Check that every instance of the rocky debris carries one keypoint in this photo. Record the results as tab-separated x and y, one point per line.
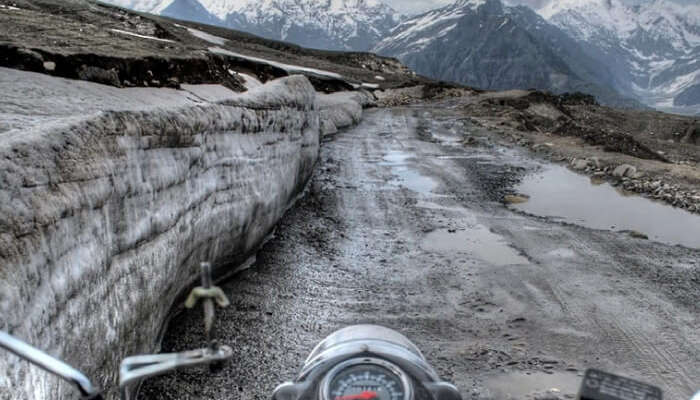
544	122
611	140
415	93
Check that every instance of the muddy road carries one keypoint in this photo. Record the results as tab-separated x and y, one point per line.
403	226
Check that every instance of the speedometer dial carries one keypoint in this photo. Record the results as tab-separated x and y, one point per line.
367	379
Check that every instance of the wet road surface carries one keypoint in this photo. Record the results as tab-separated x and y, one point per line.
402	226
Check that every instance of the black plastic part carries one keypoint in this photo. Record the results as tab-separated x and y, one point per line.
600	385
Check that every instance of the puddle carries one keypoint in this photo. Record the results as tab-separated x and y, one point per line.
518	385
560	193
477	240
414	181
395	158
405	176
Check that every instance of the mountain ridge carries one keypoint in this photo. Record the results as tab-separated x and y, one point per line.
323	24
487	44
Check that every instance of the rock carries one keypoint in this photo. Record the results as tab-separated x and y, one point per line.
30	59
99	75
579	164
542	147
516	198
636	235
624	170
50	66
173	83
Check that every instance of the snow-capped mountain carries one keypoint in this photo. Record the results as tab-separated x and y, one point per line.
652	49
486	44
325	24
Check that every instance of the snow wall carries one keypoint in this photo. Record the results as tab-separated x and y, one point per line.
110	198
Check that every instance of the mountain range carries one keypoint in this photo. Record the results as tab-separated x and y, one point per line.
624	55
323	24
652	50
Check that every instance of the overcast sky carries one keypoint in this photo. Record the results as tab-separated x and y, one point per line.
414	6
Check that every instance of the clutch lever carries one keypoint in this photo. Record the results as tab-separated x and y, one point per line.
50	364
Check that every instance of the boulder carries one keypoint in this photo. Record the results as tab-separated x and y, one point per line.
624	170
579	164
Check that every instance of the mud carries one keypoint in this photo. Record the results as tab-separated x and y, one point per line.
360	248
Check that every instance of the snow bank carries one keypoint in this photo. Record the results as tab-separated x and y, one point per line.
341	109
111	197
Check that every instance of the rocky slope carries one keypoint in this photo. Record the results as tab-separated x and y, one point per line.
651	49
327	24
485	44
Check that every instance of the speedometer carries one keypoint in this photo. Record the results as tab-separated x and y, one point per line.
366	379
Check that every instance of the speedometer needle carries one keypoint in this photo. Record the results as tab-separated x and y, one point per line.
367	395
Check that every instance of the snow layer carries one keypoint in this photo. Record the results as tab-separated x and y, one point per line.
207	37
111	197
292	69
141	36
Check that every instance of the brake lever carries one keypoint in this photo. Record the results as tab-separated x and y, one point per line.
50	364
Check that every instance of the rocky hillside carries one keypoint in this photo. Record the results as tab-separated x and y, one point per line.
327	24
485	44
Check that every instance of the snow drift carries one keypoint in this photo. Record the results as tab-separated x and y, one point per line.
110	198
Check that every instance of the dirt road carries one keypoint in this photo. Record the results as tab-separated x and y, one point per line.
402	226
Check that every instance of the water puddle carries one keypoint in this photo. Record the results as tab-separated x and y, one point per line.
560	193
477	240
519	385
405	176
395	158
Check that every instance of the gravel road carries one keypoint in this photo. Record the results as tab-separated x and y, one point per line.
402	225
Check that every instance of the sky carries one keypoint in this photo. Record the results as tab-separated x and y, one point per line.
415	6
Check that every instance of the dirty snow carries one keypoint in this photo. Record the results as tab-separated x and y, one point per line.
207	37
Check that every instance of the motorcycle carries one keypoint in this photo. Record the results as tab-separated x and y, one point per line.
361	362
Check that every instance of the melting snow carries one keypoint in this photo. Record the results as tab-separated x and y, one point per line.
141	36
208	37
287	67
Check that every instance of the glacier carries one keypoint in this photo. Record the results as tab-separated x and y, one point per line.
111	197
